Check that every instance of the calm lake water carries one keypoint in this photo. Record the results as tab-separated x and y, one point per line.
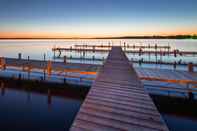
29	111
37	48
22	110
180	123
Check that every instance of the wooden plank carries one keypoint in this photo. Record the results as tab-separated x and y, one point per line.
117	100
166	74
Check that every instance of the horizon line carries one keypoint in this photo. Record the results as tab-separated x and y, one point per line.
108	37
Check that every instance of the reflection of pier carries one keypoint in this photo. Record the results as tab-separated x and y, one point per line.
49	90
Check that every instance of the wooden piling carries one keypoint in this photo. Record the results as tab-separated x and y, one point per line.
190	67
49	67
2	63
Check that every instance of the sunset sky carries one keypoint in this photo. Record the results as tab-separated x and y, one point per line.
96	18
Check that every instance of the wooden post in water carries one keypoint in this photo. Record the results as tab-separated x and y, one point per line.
59	53
29	70
19	56
64	59
28	67
2	88
93	57
168	49
44	56
44	74
49	67
191	96
2	63
124	46
190	67
93	49
54	54
174	65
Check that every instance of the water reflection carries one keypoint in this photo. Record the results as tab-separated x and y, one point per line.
2	88
180	123
49	99
25	108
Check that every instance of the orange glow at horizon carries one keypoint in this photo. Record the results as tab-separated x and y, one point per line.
88	35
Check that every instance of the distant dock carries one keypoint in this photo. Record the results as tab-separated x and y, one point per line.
63	71
130	49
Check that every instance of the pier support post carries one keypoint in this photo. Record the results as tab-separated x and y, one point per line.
93	57
2	88
64	80
29	70
124	46
65	59
19	56
174	65
93	48
59	53
190	67
54	54
49	67
191	96
44	75
2	63
45	57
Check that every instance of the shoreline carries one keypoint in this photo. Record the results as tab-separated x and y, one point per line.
174	37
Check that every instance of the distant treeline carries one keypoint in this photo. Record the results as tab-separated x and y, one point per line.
154	37
126	37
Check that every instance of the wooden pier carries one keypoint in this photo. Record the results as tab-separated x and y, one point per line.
124	45
140	52
118	101
47	66
140	61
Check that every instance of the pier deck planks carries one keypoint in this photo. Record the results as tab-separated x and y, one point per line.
117	100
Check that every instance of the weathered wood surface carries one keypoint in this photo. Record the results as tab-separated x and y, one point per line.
166	74
41	64
118	101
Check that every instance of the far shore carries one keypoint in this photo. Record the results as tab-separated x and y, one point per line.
193	37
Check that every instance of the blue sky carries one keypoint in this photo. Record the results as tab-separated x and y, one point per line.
97	17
